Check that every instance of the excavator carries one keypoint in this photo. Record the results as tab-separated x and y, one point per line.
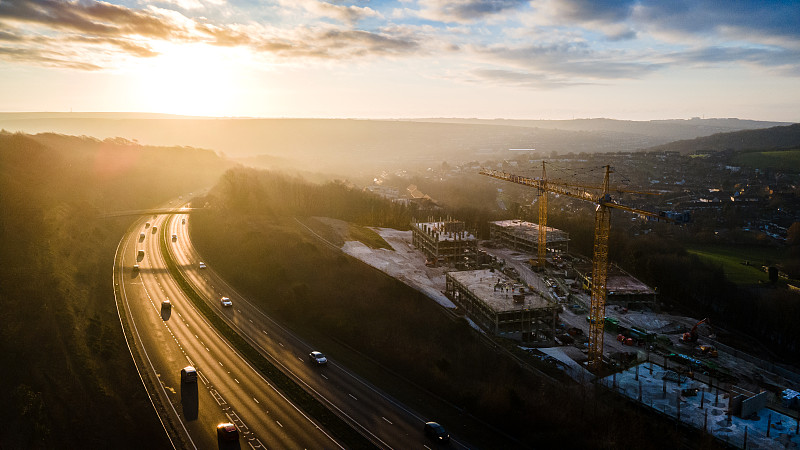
690	336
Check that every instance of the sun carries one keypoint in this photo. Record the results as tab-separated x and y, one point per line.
190	79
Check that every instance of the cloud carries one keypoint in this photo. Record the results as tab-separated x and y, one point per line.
570	59
763	21
505	77
346	14
184	4
50	59
466	11
97	18
783	61
48	24
333	43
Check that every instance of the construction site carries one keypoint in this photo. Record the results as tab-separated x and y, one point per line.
596	323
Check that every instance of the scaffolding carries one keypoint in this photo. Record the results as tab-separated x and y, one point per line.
446	243
524	236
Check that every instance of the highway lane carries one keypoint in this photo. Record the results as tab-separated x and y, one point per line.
385	421
228	389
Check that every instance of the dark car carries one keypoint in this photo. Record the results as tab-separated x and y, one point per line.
436	432
227	431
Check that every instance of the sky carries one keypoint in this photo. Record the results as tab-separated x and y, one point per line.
539	59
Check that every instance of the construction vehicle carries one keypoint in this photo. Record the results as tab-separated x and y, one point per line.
706	350
625	340
690	336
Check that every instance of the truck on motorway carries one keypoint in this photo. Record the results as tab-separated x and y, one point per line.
188	375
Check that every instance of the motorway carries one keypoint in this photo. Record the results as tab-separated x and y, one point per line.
230	390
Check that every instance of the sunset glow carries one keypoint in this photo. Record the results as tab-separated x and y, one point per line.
457	58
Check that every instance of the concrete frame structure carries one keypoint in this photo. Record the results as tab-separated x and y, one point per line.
524	236
503	306
446	243
623	288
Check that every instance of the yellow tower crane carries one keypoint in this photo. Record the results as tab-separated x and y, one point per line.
602	228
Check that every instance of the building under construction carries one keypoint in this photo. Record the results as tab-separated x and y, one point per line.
503	306
524	236
446	243
623	288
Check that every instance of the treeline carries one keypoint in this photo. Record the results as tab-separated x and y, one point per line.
69	381
251	191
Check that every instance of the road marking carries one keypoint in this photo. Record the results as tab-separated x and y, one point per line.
251	320
323	376
254	399
280	343
354	398
237	381
220	364
301	359
265	332
387	420
279	423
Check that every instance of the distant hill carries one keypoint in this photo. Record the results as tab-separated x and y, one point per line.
349	146
671	130
775	138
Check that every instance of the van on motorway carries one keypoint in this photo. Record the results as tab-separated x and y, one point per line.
188	375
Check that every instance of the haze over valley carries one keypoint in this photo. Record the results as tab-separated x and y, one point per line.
399	224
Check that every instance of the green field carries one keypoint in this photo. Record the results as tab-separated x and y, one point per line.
732	258
783	160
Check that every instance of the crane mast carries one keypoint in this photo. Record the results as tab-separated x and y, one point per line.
602	229
542	247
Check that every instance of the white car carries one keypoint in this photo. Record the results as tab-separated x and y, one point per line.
225	301
202	265
317	358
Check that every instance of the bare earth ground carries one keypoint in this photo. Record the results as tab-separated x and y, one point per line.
403	263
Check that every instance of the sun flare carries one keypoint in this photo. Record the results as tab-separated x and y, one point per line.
191	79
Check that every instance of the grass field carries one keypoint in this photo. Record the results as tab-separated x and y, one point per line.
732	259
785	160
